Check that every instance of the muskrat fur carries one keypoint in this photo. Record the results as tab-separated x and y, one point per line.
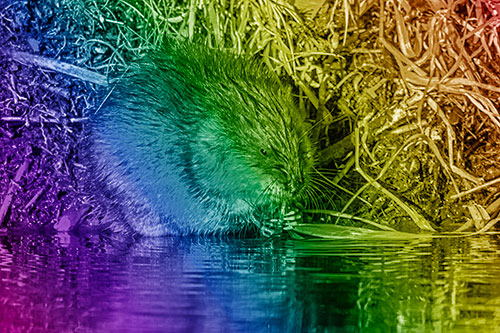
195	140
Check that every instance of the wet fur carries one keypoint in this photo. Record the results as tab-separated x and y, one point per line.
196	140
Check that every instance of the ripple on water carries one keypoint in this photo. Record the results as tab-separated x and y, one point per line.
55	283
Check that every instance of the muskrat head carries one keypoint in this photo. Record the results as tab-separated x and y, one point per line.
255	151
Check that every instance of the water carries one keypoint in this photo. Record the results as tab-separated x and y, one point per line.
61	283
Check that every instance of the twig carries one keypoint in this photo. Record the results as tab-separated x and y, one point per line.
16	119
8	198
35	198
59	66
477	188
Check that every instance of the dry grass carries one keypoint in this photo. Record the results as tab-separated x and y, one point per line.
413	85
403	95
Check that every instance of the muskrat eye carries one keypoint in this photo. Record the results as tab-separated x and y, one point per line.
263	152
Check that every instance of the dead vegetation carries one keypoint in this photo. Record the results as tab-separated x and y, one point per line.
403	95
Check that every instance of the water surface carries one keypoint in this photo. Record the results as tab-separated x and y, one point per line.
62	283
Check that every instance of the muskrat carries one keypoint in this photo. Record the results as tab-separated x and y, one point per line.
195	140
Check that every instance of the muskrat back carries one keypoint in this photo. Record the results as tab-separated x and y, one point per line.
198	140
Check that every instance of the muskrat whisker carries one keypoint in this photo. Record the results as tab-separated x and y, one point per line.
331	183
317	188
319	182
330	194
315	182
312	198
317	203
330	202
320	185
318	200
262	196
325	177
303	196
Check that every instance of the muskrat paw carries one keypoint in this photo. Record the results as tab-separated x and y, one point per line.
291	219
271	228
275	226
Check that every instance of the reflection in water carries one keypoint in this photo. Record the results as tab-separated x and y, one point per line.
55	283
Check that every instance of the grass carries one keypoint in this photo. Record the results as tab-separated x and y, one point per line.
403	96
